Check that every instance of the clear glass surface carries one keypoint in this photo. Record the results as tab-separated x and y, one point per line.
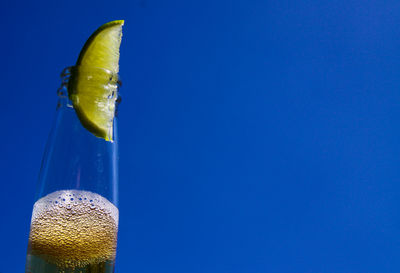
75	216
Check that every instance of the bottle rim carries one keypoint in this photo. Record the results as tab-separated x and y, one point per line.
69	70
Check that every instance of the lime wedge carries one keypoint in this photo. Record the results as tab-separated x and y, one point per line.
93	84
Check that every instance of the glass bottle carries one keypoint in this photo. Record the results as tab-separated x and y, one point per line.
75	216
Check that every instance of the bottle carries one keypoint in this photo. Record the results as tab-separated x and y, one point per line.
75	216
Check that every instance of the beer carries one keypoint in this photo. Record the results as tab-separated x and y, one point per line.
72	231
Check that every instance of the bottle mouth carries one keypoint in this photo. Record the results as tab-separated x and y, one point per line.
89	71
100	78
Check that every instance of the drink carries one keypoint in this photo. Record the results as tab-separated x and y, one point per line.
72	231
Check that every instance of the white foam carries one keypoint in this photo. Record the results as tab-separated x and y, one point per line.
70	198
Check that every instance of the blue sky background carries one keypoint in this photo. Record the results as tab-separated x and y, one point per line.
255	136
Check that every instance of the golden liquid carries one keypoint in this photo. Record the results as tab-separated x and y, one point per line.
73	229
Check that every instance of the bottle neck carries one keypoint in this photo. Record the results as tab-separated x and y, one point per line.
76	159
